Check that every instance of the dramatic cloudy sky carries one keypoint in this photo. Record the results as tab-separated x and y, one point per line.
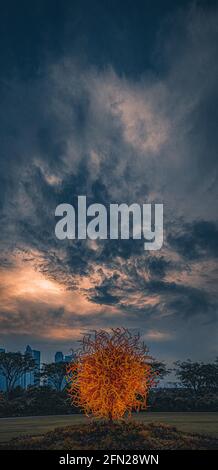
116	100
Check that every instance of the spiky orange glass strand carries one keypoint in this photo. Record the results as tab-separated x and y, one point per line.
112	374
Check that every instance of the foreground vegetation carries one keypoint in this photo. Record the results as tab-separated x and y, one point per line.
127	434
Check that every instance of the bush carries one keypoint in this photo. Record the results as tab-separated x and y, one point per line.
37	401
181	399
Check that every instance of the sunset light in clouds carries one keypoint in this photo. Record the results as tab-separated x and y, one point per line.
25	288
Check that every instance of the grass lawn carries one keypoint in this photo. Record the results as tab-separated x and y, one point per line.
205	423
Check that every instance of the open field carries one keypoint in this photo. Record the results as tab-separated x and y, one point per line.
205	423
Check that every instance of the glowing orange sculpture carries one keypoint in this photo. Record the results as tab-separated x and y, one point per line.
112	374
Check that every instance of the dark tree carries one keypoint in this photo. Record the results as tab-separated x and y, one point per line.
160	369
54	374
210	374
13	366
197	376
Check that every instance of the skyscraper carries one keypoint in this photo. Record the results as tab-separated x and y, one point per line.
31	378
59	357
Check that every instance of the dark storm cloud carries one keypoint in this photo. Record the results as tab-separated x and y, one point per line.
158	266
184	300
124	248
99	33
178	299
103	296
196	240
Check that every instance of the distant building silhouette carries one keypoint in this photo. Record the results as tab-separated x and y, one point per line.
69	358
59	357
32	378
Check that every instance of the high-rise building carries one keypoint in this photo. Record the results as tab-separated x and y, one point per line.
59	357
36	357
31	378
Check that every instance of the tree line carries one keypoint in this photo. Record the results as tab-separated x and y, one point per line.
194	387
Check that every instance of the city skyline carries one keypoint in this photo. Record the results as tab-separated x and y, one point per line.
32	378
52	355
